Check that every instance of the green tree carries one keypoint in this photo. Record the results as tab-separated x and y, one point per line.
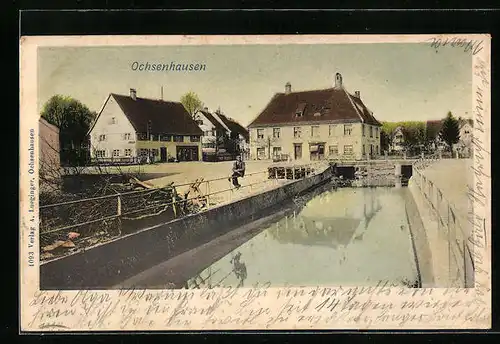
192	103
414	136
385	141
450	131
73	120
387	135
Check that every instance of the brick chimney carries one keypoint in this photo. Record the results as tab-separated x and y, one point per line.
288	88
357	94
338	80
133	93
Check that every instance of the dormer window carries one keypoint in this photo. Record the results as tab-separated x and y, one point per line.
299	112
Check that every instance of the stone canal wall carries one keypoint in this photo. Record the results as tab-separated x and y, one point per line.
109	264
441	235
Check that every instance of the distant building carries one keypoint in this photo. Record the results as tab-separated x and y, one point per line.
433	128
464	145
132	129
313	125
221	134
49	147
398	140
214	131
237	133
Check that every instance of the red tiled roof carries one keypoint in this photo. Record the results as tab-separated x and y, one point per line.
165	117
333	105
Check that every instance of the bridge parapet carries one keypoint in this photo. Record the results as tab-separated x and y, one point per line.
452	225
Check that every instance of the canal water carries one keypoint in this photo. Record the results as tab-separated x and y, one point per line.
338	236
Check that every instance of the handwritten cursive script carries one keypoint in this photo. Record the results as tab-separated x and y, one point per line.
478	193
380	306
467	45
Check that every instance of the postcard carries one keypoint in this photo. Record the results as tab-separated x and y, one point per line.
255	182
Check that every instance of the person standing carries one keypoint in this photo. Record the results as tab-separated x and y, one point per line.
238	171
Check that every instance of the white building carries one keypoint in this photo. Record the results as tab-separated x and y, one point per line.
464	145
398	140
221	134
131	129
214	130
312	125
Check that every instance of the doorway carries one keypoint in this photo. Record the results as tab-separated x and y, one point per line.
297	149
163	154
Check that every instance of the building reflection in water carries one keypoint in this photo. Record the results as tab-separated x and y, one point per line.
350	236
328	220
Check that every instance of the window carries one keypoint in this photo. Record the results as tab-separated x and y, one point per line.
165	138
127	136
315	131
214	132
178	138
143	152
377	132
371	131
194	138
276	133
333	150
113	120
128	152
364	150
331	130
276	151
297	132
207	133
100	153
362	129
102	137
199	121
142	136
299	112
153	137
116	153
261	152
260	133
347	129
348	149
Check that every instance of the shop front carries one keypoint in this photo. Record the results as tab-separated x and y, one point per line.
187	153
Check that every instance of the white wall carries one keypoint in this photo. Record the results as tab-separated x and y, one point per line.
333	137
207	126
114	132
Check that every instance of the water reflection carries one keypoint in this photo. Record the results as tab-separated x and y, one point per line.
333	236
325	221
